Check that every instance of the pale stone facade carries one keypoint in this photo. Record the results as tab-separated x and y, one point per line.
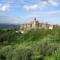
35	24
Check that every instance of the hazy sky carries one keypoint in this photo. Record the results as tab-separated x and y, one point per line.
18	11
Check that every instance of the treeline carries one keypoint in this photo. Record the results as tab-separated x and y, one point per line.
35	44
8	37
9	26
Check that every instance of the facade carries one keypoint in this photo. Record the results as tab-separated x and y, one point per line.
35	24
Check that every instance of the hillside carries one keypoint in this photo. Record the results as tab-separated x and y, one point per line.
35	44
9	26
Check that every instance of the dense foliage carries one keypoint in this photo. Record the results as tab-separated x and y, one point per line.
35	44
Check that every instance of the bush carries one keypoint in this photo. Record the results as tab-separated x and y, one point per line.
56	54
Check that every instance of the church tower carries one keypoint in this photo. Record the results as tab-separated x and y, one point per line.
35	18
34	23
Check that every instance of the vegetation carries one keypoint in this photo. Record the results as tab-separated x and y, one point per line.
35	44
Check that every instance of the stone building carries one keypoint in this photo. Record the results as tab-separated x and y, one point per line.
35	24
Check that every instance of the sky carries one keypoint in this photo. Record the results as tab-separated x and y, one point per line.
23	11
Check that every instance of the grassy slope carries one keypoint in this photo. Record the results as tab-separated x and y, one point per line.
33	45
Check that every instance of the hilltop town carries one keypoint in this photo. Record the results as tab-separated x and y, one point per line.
36	24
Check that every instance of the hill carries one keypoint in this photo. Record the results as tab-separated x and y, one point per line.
35	44
9	26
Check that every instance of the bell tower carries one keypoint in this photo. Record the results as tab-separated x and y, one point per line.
34	23
35	19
